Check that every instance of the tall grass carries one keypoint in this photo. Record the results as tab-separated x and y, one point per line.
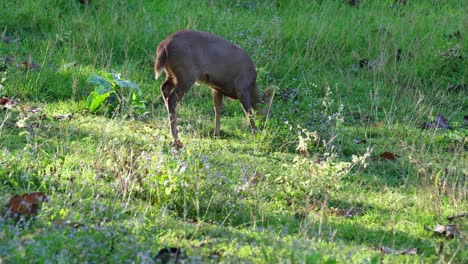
119	192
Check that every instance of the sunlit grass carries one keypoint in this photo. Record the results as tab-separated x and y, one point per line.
118	192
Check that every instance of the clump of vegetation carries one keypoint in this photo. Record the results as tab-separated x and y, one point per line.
112	94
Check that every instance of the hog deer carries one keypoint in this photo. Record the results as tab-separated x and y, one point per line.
191	56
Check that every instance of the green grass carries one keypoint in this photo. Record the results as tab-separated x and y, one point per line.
118	192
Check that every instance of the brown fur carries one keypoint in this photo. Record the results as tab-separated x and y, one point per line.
191	56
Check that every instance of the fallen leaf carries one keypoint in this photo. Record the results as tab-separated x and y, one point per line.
456	34
387	250
171	255
216	254
290	93
35	110
347	213
28	65
388	156
457	87
407	251
439	122
64	117
267	100
447	231
4	100
25	205
363	63
303	152
8	103
9	59
254	180
8	40
192	222
375	63
398	55
380	124
177	144
70	65
359	141
5	62
268	94
61	223
453	217
442	122
453	53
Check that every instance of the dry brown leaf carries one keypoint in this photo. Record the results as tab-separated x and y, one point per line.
25	205
62	223
28	65
216	254
447	231
171	255
35	110
267	99
7	103
290	93
4	101
439	122
359	141
388	156
455	87
70	65
8	40
254	180
406	251
348	213
453	217
177	144
192	222
442	122
380	124
64	117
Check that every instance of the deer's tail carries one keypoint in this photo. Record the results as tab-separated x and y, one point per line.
161	55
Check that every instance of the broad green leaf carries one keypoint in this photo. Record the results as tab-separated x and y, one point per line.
96	100
100	81
139	105
128	84
100	89
90	98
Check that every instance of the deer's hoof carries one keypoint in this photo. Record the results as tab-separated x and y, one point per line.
177	144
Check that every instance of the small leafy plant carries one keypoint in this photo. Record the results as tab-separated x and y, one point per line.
114	95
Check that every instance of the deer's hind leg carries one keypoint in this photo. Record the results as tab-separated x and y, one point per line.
173	90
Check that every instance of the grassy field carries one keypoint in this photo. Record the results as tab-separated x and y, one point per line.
353	164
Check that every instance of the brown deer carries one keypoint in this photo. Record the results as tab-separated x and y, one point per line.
191	56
